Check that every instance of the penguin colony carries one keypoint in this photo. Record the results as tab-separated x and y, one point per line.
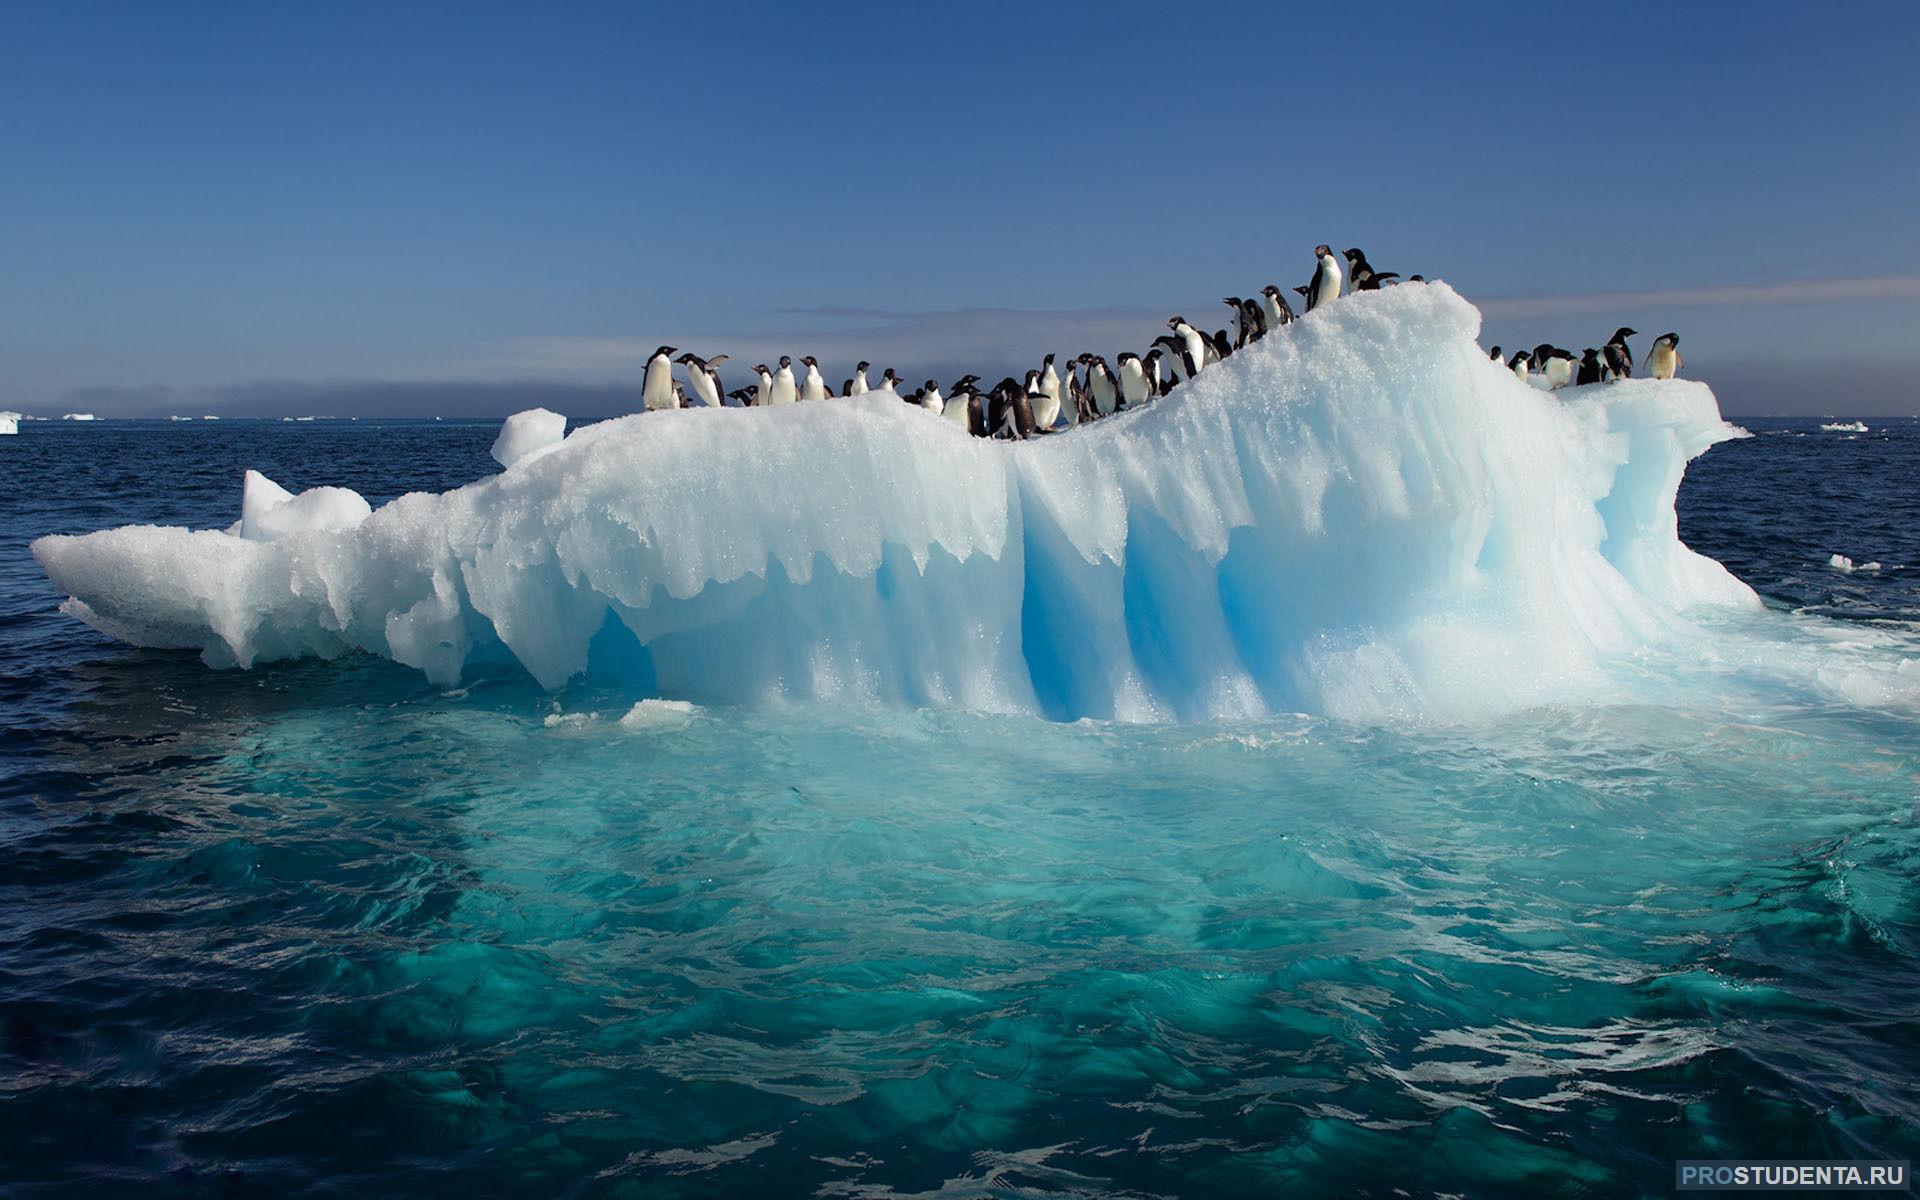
1087	387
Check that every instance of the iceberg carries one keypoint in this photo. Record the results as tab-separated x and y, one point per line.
1844	427
9	423
526	434
1360	516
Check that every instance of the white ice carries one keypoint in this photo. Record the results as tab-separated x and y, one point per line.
1359	516
79	417
1845	566
9	423
268	512
526	435
1846	427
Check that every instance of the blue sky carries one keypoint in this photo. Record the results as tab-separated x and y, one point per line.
260	205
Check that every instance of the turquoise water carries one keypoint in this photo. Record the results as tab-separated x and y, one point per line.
328	929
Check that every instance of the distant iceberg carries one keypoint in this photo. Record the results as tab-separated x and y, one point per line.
9	423
1845	427
79	417
1360	516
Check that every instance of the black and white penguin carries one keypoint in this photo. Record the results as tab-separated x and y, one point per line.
1174	354
1222	348
1361	274
1238	327
1047	411
1156	371
763	390
812	387
1496	356
858	386
783	390
1074	408
961	399
1192	341
656	392
1324	288
1274	307
1663	361
1590	368
1518	365
932	400
1135	384
744	395
889	380
1619	357
1554	365
703	377
976	414
1103	391
1009	415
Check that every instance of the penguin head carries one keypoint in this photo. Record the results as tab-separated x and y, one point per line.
1323	251
1236	301
686	358
1046	362
785	362
1176	321
930	386
762	368
1623	333
1155	354
1495	355
863	366
1589	355
1354	257
808	359
1671	339
664	351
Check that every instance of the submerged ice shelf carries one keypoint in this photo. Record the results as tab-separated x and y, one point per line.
1360	516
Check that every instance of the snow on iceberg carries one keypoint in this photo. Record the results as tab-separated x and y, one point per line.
268	512
526	434
1361	516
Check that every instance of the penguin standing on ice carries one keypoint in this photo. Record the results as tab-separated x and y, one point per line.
1518	365
1135	384
1619	358
1174	353
1156	376
1495	355
1238	328
889	380
1554	364
1103	392
1590	369
812	387
858	386
1009	414
1073	396
1047	411
704	378
1192	341
960	401
783	391
1361	274
932	400
1663	361
1274	307
656	392
763	390
1324	288
743	396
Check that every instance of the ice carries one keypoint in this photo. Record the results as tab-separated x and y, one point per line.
526	435
9	423
1846	427
79	417
1845	565
268	512
659	714
1359	516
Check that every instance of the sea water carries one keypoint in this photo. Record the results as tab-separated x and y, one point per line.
328	928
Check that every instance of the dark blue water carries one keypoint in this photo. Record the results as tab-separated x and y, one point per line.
325	929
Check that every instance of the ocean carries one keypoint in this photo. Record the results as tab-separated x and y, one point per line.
328	929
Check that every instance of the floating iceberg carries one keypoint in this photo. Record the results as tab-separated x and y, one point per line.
79	417
1360	516
1845	427
9	423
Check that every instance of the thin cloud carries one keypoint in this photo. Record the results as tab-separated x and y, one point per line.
1796	291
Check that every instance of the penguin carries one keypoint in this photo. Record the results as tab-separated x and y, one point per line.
1195	342
1518	365
1590	368
1049	388
783	390
1136	386
743	395
812	387
857	386
1495	355
1303	291
889	380
1103	391
679	394
976	408
1664	361
1074	406
1156	375
932	400
1009	415
1253	319
1239	326
763	395
1361	275
960	401
1174	352
1274	307
1553	365
1325	285
1222	348
1619	357
657	390
704	378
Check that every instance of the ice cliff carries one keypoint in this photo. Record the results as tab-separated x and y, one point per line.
1359	516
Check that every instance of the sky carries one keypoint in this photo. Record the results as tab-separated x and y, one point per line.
468	208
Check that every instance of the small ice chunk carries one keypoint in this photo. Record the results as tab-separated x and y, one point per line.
659	714
79	417
1845	427
573	721
526	435
9	423
269	512
1841	563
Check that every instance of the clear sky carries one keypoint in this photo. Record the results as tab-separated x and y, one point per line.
383	207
